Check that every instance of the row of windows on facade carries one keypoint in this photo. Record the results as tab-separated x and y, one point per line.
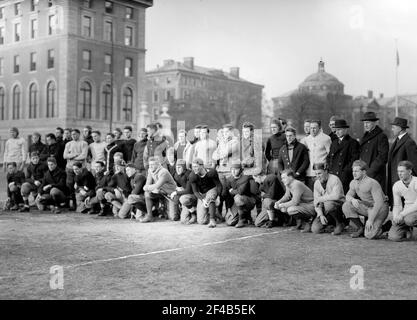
323	87
85	102
186	95
86	30
86	65
108	7
187	80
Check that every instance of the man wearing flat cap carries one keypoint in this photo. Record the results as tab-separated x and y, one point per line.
403	148
374	148
343	151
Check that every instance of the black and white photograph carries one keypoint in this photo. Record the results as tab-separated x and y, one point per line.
215	152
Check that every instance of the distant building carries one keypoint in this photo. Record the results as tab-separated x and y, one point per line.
58	59
197	95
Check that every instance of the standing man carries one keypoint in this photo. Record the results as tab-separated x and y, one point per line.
332	134
129	143
403	148
273	145
138	149
87	135
156	146
196	134
109	151
75	151
55	149
343	151
96	149
374	148
293	155
306	130
38	147
205	147
365	198
14	150
59	134
318	145
404	213
67	136
182	148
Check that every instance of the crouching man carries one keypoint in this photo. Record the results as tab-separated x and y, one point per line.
404	215
15	179
136	197
297	201
184	194
98	204
84	186
240	192
119	188
365	198
207	188
159	185
328	200
53	188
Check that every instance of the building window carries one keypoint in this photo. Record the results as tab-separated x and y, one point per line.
106	98
168	80
128	67
86	26
34	28
155	96
107	63
50	99
1	66
155	113
128	36
16	102
17	9
1	35
32	61
87	4
16	64
86	100
127	104
52	24
167	95
33	93
50	3
1	12
129	13
87	59
108	6
17	32
2	103
108	31
33	4
51	58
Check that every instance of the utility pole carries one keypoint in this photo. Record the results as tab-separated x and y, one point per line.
111	78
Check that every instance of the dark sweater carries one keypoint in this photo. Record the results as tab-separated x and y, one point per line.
17	177
56	178
35	172
102	180
128	149
137	182
120	181
272	187
184	182
137	153
240	185
200	185
273	145
86	181
40	148
56	150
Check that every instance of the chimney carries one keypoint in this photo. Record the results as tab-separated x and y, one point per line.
381	95
189	62
234	72
370	94
168	62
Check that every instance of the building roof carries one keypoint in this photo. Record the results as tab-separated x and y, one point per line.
321	77
171	65
390	101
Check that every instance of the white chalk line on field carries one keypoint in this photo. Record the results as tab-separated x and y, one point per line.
42	272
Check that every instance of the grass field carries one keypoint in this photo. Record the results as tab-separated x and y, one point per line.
124	259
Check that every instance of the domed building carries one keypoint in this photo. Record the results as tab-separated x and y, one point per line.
321	83
320	96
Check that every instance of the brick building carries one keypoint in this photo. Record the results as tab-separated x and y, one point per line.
197	95
59	60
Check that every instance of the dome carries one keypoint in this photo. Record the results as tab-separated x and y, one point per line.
321	82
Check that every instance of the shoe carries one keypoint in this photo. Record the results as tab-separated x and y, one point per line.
386	226
15	207
339	229
298	225
269	224
212	223
307	228
85	210
147	218
72	208
241	223
358	233
25	208
102	212
92	211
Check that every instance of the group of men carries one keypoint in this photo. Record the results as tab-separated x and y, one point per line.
320	183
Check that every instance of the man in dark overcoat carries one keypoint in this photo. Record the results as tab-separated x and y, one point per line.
293	155
343	151
403	148
374	148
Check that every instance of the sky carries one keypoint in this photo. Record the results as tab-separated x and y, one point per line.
278	43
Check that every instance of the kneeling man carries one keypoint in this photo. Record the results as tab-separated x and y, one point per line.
328	200
365	198
297	201
404	215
